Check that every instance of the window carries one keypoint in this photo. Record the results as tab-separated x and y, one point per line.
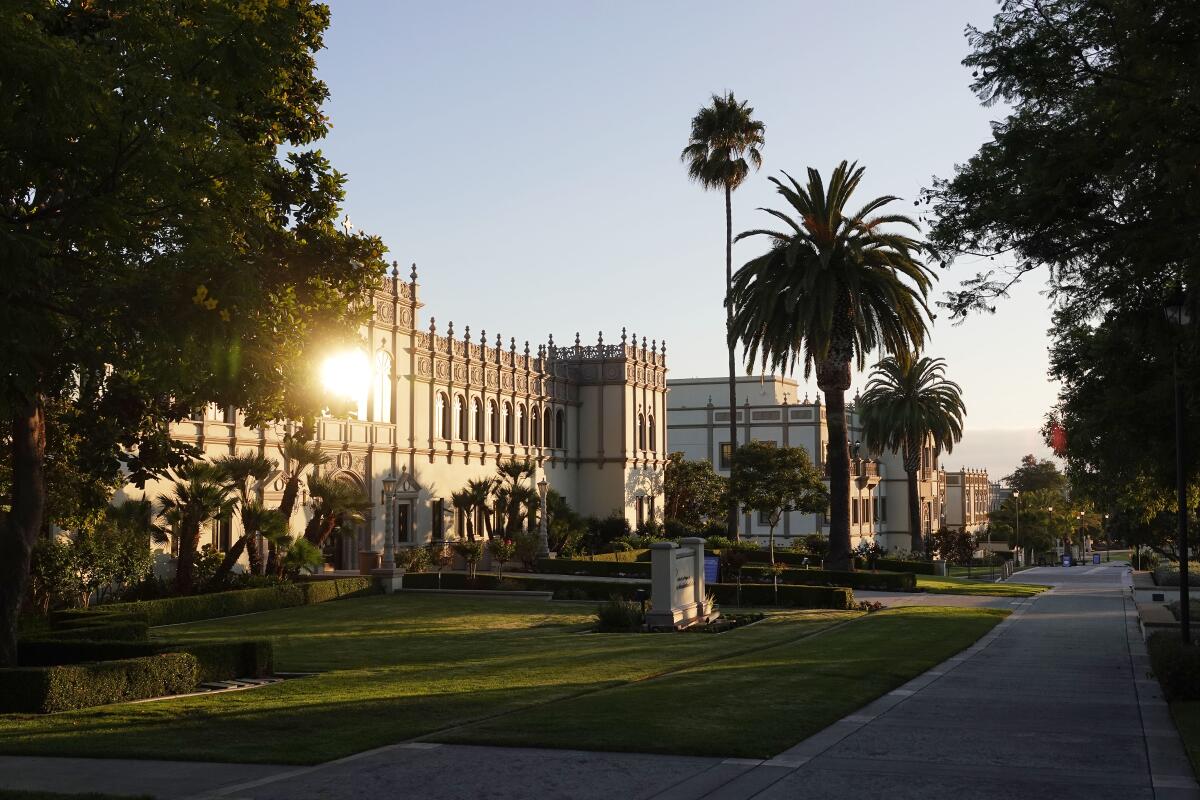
854	511
875	508
653	433
548	432
441	421
383	387
493	422
439	519
507	420
534	427
477	410
221	533
641	432
640	505
726	455
560	429
653	510
522	425
460	416
460	523
764	518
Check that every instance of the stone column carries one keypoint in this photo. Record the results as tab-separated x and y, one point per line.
662	584
697	546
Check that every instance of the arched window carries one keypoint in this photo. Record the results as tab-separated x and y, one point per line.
560	429
653	432
460	416
442	416
507	421
493	422
641	432
383	386
548	433
522	425
534	427
477	410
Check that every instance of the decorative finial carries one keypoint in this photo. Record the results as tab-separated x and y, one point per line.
550	339
785	397
806	398
577	338
654	345
643	345
412	275
663	349
483	339
527	348
512	344
622	334
635	345
600	338
467	334
347	225
432	324
450	329
395	269
499	342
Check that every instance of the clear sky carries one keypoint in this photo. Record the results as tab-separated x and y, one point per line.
526	156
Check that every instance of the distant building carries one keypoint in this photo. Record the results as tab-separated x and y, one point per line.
968	499
772	411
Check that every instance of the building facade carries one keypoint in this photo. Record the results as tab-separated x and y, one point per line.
443	406
968	499
773	411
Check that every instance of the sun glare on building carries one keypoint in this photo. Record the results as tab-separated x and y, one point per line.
347	374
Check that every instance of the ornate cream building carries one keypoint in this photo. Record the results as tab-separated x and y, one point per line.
447	405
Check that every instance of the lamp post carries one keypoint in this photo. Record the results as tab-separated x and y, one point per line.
543	539
1179	315
389	501
1107	540
1017	500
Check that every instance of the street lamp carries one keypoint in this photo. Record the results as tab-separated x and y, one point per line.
389	500
1179	315
1017	499
543	539
1107	540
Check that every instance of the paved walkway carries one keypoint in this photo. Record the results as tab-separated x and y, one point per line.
1052	703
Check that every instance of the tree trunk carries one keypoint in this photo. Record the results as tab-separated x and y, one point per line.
733	509
231	558
185	566
273	562
914	513
23	522
253	553
833	378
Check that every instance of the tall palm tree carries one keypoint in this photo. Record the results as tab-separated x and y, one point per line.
909	403
334	503
833	287
245	473
464	504
726	141
480	492
199	494
299	455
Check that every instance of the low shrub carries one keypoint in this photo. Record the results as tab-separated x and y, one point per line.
763	594
106	627
1167	574
322	591
619	616
879	581
562	589
901	565
1177	665
216	660
624	556
603	569
67	687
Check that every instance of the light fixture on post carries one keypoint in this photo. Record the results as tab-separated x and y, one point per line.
389	532
1017	500
1179	315
543	539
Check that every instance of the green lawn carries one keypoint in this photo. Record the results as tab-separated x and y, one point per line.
937	585
754	705
1187	718
402	667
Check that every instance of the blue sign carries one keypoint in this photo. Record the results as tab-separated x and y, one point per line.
712	565
1066	561
1095	558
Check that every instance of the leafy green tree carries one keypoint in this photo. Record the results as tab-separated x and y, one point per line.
1036	475
694	495
775	481
725	144
199	494
159	252
833	286
907	404
957	546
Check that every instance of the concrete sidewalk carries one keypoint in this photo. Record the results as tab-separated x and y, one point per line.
1052	703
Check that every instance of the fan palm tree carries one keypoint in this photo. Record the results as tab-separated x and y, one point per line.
245	473
725	143
833	287
299	455
908	404
463	503
334	503
199	494
480	492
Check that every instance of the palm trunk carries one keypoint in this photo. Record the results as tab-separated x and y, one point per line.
254	553
733	509
914	513
274	565
839	480
185	567
231	558
23	522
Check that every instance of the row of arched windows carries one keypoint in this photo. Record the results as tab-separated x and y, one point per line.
501	424
645	424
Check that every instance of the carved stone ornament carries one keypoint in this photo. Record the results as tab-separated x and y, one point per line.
443	369
492	378
423	366
506	381
385	311
344	460
641	374
522	385
612	372
406	317
360	464
460	372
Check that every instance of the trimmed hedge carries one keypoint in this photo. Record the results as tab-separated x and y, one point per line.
625	556
67	687
603	569
322	591
881	581
762	594
1177	666
897	565
563	589
216	660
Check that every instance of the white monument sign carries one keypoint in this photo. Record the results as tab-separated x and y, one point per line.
677	585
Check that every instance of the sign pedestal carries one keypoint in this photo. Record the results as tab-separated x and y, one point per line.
677	586
389	579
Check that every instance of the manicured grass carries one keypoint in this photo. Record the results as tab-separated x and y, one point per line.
753	705
1187	719
393	668
937	585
